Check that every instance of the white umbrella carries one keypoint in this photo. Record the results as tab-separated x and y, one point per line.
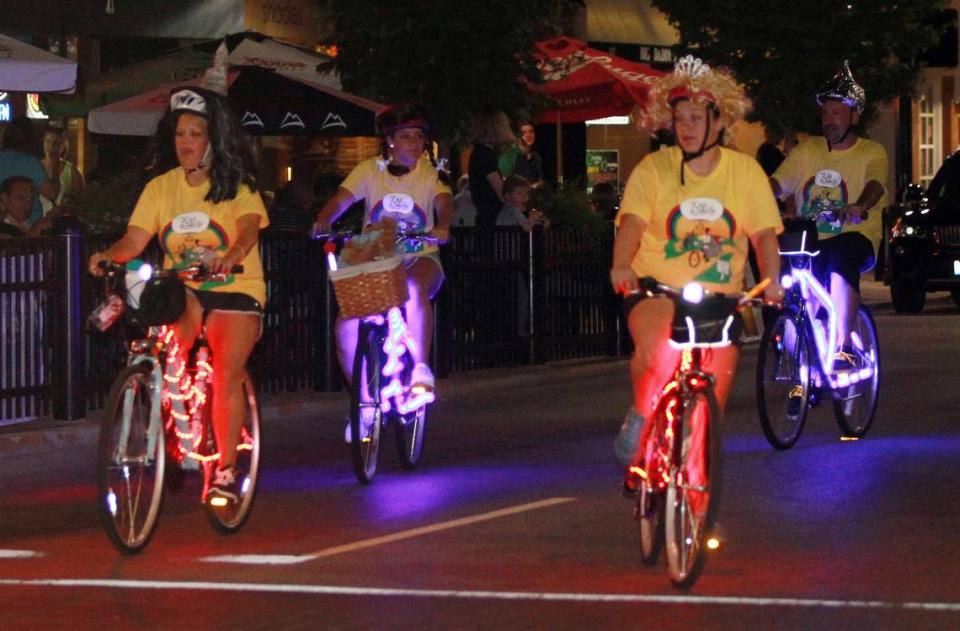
25	68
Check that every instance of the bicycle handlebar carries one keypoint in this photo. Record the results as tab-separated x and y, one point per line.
195	271
652	287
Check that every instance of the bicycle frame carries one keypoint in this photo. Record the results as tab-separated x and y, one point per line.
395	342
807	295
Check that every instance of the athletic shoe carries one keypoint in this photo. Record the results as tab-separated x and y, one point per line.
422	378
225	485
794	401
625	444
366	422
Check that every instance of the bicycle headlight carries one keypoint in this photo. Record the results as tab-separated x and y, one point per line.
693	293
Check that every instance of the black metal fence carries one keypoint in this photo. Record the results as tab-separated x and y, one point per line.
510	298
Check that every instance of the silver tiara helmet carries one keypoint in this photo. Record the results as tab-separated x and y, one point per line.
844	88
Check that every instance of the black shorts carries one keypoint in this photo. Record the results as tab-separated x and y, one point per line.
679	331
230	302
848	254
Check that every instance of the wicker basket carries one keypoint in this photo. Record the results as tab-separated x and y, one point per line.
370	288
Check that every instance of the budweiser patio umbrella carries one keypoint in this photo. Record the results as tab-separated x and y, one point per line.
582	83
25	68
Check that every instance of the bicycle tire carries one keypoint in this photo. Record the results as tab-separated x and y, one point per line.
130	471
365	393
231	517
780	369
410	428
684	531
855	406
649	508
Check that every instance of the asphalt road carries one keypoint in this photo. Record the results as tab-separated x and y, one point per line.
515	518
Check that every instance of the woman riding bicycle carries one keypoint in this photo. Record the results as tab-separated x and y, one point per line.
687	214
204	207
406	184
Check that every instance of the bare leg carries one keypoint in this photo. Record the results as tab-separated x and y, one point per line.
846	301
232	337
424	278
346	332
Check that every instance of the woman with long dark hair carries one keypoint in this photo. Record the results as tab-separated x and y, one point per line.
203	205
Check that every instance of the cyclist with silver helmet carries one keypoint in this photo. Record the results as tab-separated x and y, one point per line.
837	181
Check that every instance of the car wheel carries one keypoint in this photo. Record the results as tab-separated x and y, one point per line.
908	296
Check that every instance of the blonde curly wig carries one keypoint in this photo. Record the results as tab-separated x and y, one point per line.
692	79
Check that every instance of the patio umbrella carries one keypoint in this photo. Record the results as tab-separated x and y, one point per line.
25	68
270	103
582	83
182	65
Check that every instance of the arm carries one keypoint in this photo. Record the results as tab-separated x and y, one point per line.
768	259
248	236
331	211
443	203
496	183
50	188
130	245
871	195
625	246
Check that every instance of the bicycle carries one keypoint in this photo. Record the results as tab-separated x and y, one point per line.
795	364
157	422
383	362
679	476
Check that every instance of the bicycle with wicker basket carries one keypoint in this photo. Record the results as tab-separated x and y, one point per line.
375	292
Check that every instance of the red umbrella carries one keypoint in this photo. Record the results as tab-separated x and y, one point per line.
584	83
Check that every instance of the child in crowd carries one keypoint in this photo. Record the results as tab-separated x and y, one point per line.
516	194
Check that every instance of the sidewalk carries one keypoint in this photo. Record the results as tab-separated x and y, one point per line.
48	434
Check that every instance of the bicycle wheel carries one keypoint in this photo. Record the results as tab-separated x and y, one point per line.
692	496
856	405
365	399
411	428
131	460
229	517
649	509
783	369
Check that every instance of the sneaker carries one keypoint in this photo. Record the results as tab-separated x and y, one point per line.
421	379
225	485
366	422
846	359
794	401
625	444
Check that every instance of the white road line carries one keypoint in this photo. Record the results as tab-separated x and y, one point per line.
286	559
19	554
343	590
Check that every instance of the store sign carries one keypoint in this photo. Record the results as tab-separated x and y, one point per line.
295	21
33	107
656	54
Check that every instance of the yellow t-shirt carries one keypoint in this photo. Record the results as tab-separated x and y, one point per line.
698	231
822	182
407	199
187	224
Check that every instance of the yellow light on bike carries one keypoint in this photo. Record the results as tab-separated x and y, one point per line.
218	502
638	471
713	543
848	438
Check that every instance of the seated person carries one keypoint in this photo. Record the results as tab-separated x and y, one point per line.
516	194
16	204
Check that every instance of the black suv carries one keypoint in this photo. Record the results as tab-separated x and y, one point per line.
924	242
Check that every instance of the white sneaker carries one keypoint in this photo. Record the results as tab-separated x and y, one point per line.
366	422
422	377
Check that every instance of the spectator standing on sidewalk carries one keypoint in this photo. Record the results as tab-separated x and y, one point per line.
491	136
59	169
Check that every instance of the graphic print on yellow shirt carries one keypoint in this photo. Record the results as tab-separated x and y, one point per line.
824	195
190	237
701	230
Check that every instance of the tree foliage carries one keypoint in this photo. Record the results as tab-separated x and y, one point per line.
456	58
784	50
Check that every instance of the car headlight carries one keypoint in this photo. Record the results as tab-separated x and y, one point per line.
917	232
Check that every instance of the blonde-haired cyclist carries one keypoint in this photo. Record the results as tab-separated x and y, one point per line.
688	214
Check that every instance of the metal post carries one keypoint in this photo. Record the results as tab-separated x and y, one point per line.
70	340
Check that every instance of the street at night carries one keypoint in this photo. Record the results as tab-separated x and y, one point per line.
515	519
